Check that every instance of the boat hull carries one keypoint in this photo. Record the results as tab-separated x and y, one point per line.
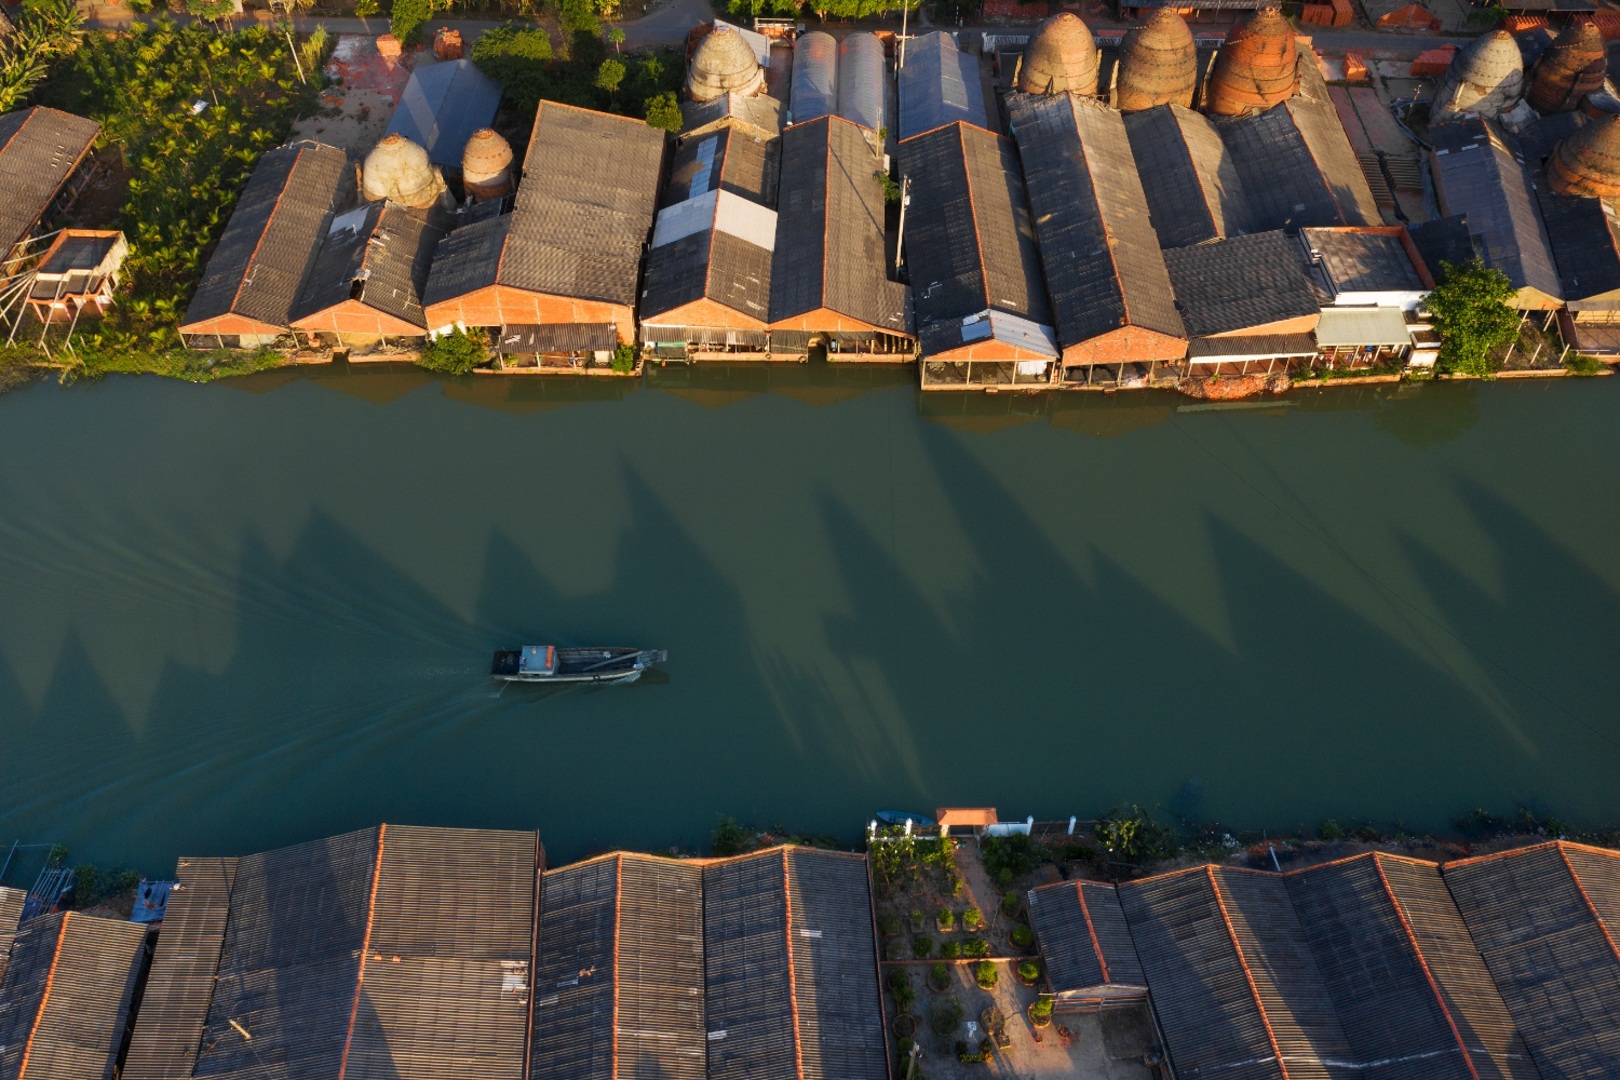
572	665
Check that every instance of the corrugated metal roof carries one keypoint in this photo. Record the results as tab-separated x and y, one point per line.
1084	938
758	114
39	148
64	1000
11	908
585	206
180	985
1251	347
521	340
1547	921
970	242
378	255
1414	997
1232	977
1357	261
728	158
1104	269
1193	189
862	81
938	85
830	233
1239	283
815	77
1362	326
467	259
442	105
1480	175
258	268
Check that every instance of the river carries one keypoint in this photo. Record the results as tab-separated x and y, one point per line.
247	614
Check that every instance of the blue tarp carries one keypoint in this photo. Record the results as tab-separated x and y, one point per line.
442	106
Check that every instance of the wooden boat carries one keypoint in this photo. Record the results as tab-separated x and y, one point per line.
554	664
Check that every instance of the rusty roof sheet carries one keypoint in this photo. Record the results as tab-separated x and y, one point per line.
64	1001
11	908
39	149
730	159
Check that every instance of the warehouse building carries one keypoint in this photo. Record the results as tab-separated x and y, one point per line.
1246	304
1194	191
1091	960
981	307
367	281
1546	919
938	85
249	292
65	996
829	271
1370	283
41	151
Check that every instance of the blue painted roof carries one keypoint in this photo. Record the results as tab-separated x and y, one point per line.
442	106
938	85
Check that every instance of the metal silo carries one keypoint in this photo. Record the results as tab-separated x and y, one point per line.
815	77
860	80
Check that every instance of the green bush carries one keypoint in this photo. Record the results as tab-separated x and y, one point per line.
1029	970
1007	858
984	973
1023	936
947	1017
972	919
367	9
975	947
889	925
728	838
922	947
904	994
1331	830
950	950
1010	903
918	919
624	359
663	111
945	921
1040	1011
1471	313
1585	365
939	975
455	353
1132	835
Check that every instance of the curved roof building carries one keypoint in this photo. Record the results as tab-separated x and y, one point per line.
1588	161
399	170
860	80
1158	64
1257	68
723	64
1061	57
815	77
1572	67
1484	79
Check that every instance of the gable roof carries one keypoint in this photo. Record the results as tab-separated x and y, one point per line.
379	255
971	243
1364	260
758	114
939	85
1191	180
1479	173
1547	921
729	158
1232	977
64	1001
467	259
830	233
585	205
442	105
39	149
1408	984
1285	185
1239	283
1084	938
716	246
258	268
1104	269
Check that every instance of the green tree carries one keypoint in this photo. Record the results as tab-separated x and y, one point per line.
615	38
728	838
367	9
577	17
1132	834
211	10
609	76
1471	314
407	18
455	353
624	359
518	57
663	111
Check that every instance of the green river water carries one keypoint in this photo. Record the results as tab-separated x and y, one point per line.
247	614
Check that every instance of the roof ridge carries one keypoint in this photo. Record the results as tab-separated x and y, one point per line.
1580	887
618	910
45	997
365	948
1102	961
1248	975
793	987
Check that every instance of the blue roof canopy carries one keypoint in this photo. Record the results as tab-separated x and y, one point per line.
442	106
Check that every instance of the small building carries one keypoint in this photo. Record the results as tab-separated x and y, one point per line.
367	282
1245	302
391	951
40	152
79	271
1194	191
1091	961
981	308
1370	283
442	106
708	284
253	280
1111	294
1479	172
829	270
974	818
567	258
939	84
65	996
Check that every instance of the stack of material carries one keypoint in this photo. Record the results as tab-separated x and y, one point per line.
1158	64
1257	68
1572	67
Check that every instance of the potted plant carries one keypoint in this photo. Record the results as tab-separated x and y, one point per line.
922	947
889	925
904	1026
950	950
1010	903
947	1017
984	973
972	920
1028	972
918	920
1022	937
975	947
945	921
1040	1011
939	977
905	995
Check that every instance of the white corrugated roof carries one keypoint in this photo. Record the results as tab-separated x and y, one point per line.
1362	326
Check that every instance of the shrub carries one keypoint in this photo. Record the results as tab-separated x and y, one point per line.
939	975
1023	936
945	921
455	353
955	880
1008	857
663	111
1010	903
1366	834
904	1027
917	919
984	973
1585	365
1331	830
366	9
972	919
1472	316
905	995
1029	971
624	359
969	1056
1132	835
1040	1011
950	950
947	1017
922	947
728	838
975	947
889	925
407	18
